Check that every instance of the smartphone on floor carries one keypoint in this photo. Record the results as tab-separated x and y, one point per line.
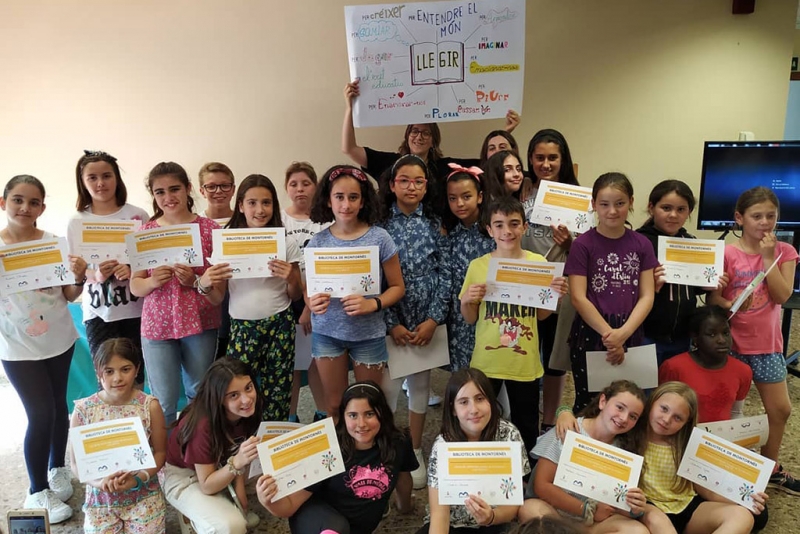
33	521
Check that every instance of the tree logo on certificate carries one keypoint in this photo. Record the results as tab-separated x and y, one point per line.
328	461
507	486
60	271
189	254
545	295
620	492
367	282
139	454
709	273
581	220
746	492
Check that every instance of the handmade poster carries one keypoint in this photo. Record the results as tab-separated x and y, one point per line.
267	431
106	447
748	432
168	245
639	366
490	469
570	205
725	468
436	61
691	262
302	457
302	349
596	470
343	271
34	265
410	359
523	282
248	251
104	240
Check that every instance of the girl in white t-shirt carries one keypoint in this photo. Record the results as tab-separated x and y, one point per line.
262	320
300	185
109	308
37	338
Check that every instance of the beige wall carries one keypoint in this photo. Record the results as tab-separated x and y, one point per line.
796	43
635	85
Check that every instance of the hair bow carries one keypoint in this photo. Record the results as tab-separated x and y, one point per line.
473	171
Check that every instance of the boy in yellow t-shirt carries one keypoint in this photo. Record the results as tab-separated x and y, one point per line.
506	339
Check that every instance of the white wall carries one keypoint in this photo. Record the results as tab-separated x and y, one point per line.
635	85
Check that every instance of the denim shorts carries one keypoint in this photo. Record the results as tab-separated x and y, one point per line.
767	368
366	352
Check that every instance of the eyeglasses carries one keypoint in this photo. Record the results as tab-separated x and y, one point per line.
425	134
405	183
213	188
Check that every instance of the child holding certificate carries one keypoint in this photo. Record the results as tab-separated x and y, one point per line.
181	312
756	326
472	413
661	436
467	195
611	413
377	459
211	447
351	327
110	310
262	320
506	338
611	283
124	501
36	345
422	247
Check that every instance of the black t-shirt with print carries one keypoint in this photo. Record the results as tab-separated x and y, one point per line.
361	493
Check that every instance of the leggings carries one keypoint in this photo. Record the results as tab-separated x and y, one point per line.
42	388
315	515
524	413
419	388
547	338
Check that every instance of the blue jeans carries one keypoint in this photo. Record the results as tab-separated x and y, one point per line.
169	360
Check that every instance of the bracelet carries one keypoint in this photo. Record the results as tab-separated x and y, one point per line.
562	409
232	467
138	483
82	282
491	521
147	475
635	516
380	304
200	287
589	507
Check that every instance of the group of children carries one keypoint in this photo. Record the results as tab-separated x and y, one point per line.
437	222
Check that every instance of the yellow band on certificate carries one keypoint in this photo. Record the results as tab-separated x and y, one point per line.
555	198
359	266
102	236
169	241
748	443
602	464
727	463
478	466
690	256
32	260
307	448
112	441
528	279
245	248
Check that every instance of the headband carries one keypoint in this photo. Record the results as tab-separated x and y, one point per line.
363	385
473	171
348	171
405	161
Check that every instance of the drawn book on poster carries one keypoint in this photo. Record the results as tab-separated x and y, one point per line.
437	63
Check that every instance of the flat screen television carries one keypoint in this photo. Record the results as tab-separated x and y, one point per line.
731	167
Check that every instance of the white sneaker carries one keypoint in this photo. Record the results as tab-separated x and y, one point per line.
252	520
434	399
419	476
56	509
60	480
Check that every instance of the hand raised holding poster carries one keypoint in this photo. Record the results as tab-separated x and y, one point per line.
436	61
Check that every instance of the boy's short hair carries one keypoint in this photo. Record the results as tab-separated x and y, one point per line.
507	205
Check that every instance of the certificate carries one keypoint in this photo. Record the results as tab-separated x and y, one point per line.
302	457
110	446
104	240
748	432
168	245
596	470
34	265
404	361
640	366
570	205
267	431
691	262
725	468
248	250
523	282
489	469
343	271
